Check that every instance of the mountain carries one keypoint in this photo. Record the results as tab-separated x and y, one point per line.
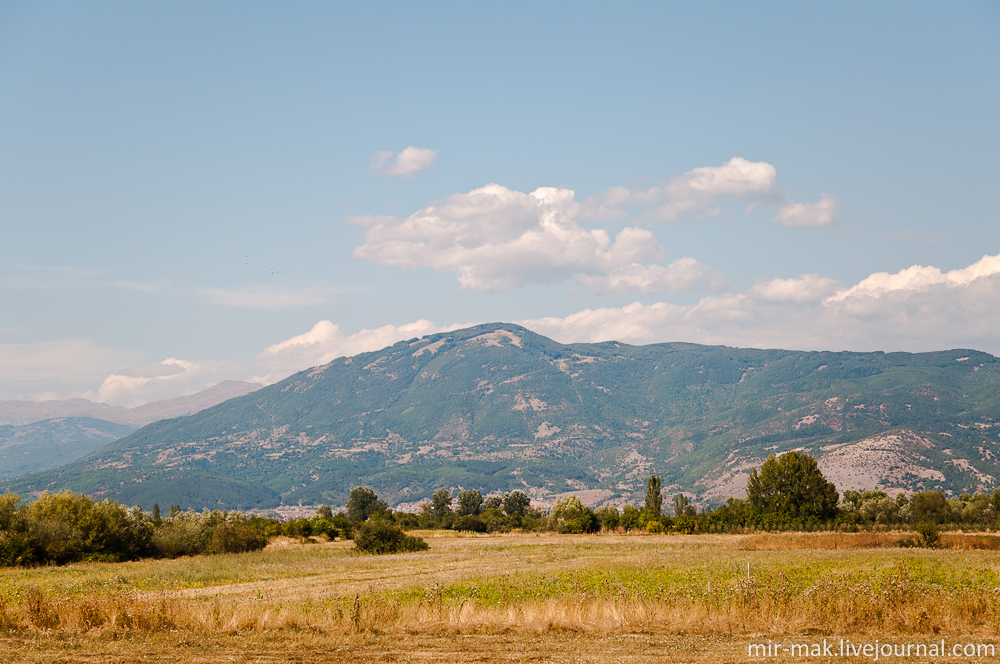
43	445
497	407
39	435
19	413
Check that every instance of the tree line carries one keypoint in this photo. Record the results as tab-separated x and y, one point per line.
786	493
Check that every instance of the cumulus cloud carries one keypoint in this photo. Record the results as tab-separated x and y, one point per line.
917	309
326	342
684	274
170	378
697	194
801	289
918	278
820	213
494	238
409	161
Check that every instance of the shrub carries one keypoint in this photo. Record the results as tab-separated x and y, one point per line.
180	536
495	520
382	537
234	538
15	548
469	523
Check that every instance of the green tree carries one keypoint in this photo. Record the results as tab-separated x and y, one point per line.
607	517
516	503
324	512
441	502
629	519
363	502
569	515
792	486
682	506
470	503
654	498
929	506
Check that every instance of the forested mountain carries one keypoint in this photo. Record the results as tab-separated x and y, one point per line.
497	407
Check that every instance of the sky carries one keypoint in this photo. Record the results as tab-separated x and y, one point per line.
192	192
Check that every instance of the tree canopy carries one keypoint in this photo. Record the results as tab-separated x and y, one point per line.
654	499
792	486
363	502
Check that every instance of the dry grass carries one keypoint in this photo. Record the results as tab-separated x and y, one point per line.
603	588
822	541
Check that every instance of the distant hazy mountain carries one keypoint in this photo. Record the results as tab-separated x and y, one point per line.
20	413
52	443
41	435
497	407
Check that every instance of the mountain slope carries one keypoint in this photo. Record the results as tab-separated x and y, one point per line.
496	407
43	445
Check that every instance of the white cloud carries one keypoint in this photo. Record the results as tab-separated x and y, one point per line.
696	195
917	309
804	288
265	297
494	238
919	278
409	161
820	213
325	342
684	274
167	379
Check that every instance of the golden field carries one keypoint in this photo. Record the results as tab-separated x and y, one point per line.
504	598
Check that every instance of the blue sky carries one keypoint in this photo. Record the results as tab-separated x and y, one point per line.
191	192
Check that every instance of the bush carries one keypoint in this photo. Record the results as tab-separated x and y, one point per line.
15	548
66	527
180	536
234	538
382	537
469	523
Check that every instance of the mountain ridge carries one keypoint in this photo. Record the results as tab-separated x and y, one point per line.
496	407
21	413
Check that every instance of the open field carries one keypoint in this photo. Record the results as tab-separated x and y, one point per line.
497	598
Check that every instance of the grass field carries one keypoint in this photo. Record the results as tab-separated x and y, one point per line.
499	598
